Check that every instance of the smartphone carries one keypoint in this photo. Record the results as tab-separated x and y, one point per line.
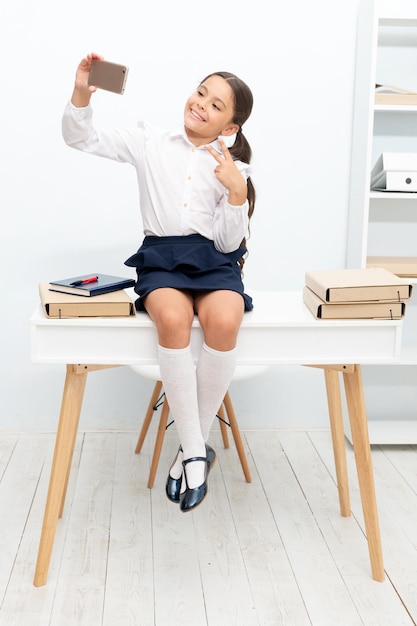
108	76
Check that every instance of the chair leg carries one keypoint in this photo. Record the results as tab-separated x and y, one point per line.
226	414
158	443
223	426
237	437
148	417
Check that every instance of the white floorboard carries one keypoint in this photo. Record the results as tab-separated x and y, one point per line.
272	552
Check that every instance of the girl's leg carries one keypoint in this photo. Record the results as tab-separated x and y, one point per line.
220	314
172	312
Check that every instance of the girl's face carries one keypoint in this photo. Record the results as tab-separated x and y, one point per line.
209	111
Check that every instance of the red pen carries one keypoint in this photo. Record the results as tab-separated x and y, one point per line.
92	279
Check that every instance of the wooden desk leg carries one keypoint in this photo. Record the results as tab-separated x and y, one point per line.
334	401
64	446
338	438
361	446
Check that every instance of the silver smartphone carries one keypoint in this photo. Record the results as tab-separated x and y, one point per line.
108	76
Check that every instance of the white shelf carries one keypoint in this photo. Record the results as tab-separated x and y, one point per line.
398	21
402	108
392	195
385	223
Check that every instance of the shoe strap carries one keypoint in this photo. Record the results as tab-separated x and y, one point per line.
195	458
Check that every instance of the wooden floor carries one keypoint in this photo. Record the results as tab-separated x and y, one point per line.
275	551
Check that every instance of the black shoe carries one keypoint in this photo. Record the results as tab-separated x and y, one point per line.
191	498
211	457
173	485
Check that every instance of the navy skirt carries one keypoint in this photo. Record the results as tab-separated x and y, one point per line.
188	263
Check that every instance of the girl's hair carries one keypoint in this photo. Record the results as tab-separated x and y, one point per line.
241	150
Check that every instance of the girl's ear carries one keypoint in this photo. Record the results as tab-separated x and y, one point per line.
230	130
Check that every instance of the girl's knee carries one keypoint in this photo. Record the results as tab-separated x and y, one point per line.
222	330
173	320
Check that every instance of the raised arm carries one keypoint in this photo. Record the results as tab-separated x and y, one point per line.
82	92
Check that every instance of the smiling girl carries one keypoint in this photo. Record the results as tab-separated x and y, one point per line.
196	200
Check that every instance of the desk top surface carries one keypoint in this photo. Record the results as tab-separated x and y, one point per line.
280	329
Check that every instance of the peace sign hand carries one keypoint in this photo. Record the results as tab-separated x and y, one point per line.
228	174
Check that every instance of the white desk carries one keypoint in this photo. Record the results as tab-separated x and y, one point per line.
280	330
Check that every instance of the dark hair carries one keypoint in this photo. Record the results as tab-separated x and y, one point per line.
241	150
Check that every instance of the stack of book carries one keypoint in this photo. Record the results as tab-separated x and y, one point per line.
389	94
369	293
90	295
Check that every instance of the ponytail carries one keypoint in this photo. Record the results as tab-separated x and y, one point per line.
241	150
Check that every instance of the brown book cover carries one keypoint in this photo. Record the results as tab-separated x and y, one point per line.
389	94
352	310
62	305
357	285
404	266
396	98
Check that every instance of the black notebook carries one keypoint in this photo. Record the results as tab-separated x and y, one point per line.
91	284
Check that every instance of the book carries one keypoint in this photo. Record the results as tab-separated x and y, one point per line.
389	94
102	283
357	285
63	305
352	310
403	266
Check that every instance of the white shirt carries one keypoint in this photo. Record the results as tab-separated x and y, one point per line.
179	192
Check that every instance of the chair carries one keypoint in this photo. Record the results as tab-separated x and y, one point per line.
226	416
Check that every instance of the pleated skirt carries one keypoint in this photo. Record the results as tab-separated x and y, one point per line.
187	263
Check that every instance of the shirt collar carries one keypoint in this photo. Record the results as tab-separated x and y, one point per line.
180	132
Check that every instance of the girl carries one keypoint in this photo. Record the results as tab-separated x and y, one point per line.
196	199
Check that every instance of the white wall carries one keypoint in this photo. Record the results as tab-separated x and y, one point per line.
65	213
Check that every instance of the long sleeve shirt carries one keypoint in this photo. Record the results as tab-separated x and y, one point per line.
178	191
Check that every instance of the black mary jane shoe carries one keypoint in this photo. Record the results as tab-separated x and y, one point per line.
191	498
211	457
173	485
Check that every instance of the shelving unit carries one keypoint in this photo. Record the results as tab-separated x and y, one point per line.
384	224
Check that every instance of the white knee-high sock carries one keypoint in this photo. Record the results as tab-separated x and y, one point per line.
179	381
214	373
